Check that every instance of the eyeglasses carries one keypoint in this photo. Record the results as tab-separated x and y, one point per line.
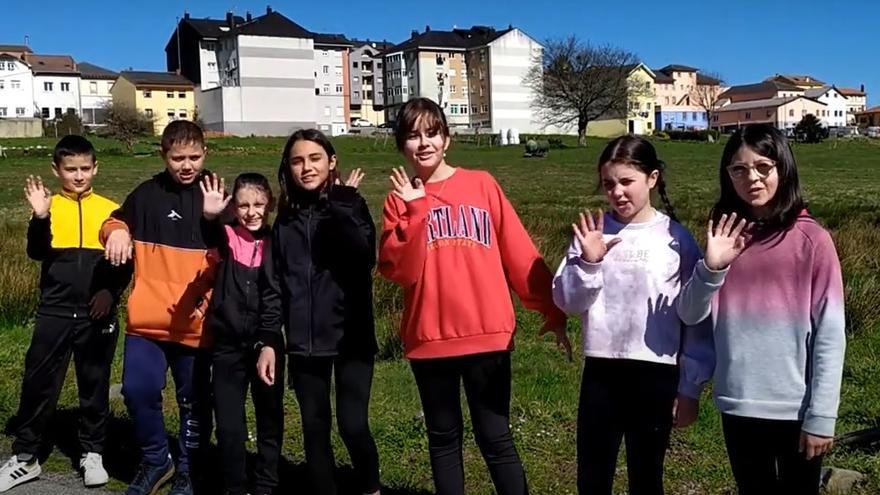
763	170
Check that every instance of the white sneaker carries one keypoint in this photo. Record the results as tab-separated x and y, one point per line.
92	467
15	472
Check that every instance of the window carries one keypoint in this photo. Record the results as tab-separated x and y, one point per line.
693	115
452	88
474	109
10	65
464	109
182	113
65	86
340	88
47	86
357	94
453	109
44	112
378	80
2	111
748	115
378	65
181	94
15	84
170	114
355	79
325	89
325	69
93	88
791	113
804	112
485	108
57	112
337	70
340	112
317	91
368	95
19	111
212	65
326	111
2	84
354	64
149	113
169	94
148	93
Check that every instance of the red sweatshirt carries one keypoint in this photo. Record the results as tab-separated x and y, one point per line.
456	253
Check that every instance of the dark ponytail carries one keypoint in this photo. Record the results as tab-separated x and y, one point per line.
640	153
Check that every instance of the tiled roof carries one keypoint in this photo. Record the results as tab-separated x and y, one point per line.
763	103
331	39
15	48
90	71
51	64
678	68
851	92
144	78
457	38
272	24
746	91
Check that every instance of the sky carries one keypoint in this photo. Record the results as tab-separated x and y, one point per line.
744	41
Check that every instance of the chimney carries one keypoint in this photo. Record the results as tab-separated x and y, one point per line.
248	16
268	9
427	29
185	15
862	88
414	34
230	19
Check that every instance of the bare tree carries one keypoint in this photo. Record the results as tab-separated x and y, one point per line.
706	94
576	82
126	124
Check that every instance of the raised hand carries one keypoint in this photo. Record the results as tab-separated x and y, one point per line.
403	188
214	196
725	241
588	233
354	178
38	196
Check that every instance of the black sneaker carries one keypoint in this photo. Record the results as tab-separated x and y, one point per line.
181	485
150	478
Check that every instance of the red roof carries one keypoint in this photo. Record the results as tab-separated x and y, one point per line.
851	92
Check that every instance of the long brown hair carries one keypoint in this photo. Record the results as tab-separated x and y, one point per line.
419	108
291	194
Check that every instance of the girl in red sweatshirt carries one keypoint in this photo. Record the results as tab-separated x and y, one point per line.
454	243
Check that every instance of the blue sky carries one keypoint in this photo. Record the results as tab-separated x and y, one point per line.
743	40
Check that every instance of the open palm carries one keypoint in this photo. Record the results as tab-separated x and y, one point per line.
214	196
38	196
725	241
588	233
404	188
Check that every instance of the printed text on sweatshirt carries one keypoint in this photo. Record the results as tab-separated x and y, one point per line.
627	302
779	327
457	253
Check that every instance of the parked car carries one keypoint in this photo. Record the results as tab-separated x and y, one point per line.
388	125
361	122
873	132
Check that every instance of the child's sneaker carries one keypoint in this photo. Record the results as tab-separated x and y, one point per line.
16	472
182	485
92	467
149	478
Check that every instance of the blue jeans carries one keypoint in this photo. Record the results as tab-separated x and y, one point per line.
145	364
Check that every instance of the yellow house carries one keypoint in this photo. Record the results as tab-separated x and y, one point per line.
639	117
161	96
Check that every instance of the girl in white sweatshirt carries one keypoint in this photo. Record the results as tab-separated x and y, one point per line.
622	274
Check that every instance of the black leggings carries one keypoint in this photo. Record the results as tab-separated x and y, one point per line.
624	399
486	380
310	379
764	457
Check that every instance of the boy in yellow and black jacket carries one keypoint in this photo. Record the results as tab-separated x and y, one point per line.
79	292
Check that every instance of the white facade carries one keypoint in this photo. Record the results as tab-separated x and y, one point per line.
54	95
16	88
94	98
835	113
854	105
267	86
330	83
209	64
511	56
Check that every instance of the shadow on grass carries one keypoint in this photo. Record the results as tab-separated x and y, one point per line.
122	456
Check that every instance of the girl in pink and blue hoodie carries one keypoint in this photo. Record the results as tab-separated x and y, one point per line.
771	281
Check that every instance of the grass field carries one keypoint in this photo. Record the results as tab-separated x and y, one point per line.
841	180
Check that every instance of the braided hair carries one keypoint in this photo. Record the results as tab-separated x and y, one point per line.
640	153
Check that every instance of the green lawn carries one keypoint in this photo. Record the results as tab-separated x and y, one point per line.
841	180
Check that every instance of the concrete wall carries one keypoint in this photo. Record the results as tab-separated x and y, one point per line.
21	128
510	59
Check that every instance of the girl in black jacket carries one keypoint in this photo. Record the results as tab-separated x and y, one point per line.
318	286
233	320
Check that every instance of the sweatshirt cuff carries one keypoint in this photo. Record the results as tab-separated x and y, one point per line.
587	267
710	276
692	390
417	207
271	339
819	425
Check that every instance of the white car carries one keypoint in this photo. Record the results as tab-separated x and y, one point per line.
360	122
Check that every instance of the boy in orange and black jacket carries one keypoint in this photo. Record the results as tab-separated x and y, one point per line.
79	291
160	224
